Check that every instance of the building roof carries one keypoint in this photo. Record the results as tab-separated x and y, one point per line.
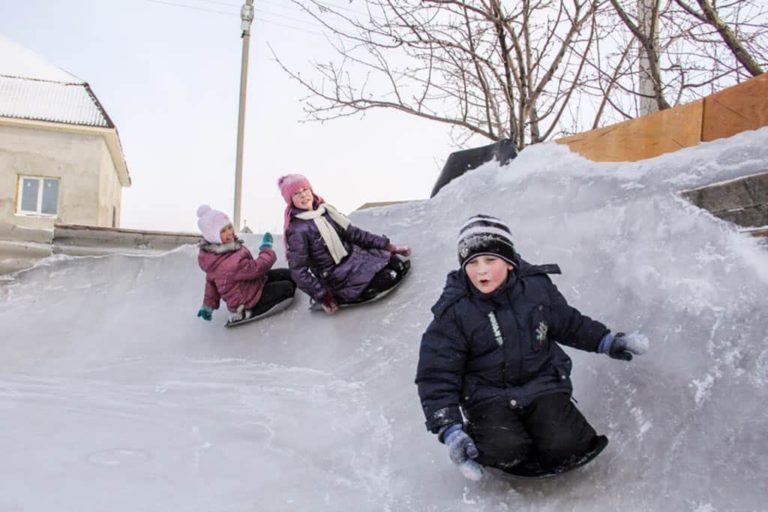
32	88
380	204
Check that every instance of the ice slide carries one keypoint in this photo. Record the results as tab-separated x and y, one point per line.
114	396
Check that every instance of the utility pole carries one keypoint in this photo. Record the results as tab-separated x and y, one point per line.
246	15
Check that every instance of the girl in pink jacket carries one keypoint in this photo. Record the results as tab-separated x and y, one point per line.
247	285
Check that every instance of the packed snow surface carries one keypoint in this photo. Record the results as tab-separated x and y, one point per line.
114	396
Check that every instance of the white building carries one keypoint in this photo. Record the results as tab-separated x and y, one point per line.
61	161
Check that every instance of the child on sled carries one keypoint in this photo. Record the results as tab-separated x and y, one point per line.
493	381
331	260
247	285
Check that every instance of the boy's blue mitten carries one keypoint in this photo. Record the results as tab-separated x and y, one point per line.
622	346
462	450
266	241
206	313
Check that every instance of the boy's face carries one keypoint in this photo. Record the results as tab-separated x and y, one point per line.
487	273
303	198
227	234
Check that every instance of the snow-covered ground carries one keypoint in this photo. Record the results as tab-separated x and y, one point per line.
114	396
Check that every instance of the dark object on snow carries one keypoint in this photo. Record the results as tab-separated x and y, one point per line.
460	162
398	266
534	470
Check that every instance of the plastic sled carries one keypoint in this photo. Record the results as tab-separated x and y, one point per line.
532	469
316	306
271	311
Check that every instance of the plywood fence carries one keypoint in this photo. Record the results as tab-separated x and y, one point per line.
725	113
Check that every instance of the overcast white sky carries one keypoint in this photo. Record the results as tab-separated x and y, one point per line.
168	76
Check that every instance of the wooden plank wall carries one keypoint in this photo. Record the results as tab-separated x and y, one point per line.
723	114
736	109
644	137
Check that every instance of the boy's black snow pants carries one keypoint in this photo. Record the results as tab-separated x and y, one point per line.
551	430
279	287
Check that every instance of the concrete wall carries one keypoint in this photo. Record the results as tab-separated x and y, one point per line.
21	248
110	192
88	188
89	240
743	201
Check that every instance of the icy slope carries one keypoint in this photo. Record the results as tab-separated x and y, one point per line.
114	396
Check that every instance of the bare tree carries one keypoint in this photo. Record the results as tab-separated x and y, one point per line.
476	65
643	25
709	15
529	70
693	47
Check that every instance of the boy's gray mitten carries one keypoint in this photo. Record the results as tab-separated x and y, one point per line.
622	346
462	450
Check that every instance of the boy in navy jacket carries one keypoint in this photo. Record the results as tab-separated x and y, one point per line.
491	356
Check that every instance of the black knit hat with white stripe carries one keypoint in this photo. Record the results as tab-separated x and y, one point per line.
483	234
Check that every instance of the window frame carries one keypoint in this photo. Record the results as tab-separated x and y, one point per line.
39	200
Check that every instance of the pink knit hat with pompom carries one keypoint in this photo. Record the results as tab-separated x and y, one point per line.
290	184
211	222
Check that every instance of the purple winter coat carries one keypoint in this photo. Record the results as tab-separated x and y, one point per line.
313	268
232	274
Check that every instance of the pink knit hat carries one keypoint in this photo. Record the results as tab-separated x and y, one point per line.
290	184
211	222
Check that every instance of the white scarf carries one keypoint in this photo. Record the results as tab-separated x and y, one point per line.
330	236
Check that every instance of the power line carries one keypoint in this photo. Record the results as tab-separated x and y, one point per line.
289	18
300	29
280	4
329	5
257	10
228	4
185	6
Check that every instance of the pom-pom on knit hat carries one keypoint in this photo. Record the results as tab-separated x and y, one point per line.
485	235
211	222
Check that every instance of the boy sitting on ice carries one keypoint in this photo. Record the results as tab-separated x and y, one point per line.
491	355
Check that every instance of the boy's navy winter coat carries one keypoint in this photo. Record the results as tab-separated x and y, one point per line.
502	347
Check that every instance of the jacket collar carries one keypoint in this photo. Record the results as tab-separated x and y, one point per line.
220	248
458	286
